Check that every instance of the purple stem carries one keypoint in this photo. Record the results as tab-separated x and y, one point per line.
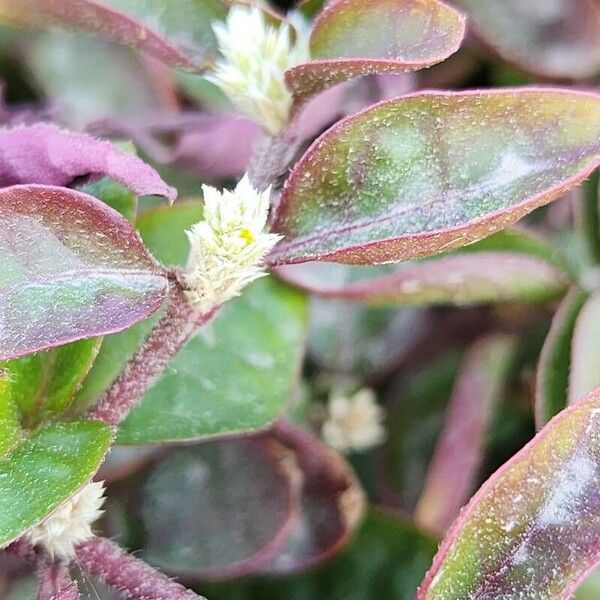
103	560
55	583
179	322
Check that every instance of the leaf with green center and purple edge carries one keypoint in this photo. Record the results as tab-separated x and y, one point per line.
533	529
361	37
585	350
420	174
72	268
552	39
180	38
552	378
45	469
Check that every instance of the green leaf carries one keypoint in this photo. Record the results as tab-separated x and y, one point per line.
43	384
532	530
236	375
114	194
430	172
46	469
10	427
552	380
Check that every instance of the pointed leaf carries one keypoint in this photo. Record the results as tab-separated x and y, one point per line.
45	154
459	451
177	34
552	380
71	268
46	469
533	529
552	39
434	171
359	37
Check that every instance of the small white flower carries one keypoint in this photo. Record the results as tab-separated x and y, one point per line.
255	56
354	423
70	523
228	245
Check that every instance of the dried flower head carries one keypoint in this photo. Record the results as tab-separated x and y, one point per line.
255	56
228	245
70	524
354	423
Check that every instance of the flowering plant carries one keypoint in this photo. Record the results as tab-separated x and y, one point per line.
266	311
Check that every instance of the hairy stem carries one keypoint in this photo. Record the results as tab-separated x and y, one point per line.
55	583
103	560
177	325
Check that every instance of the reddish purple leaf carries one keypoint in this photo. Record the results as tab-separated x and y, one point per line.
533	529
360	37
470	278
45	154
459	451
71	268
429	172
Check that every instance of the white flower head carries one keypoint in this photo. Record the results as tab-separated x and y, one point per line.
70	524
255	56
354	423
228	245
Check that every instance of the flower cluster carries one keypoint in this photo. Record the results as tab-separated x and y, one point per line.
70	523
354	423
255	57
228	245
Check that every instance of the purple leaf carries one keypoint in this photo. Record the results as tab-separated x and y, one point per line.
45	154
71	268
361	37
459	451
